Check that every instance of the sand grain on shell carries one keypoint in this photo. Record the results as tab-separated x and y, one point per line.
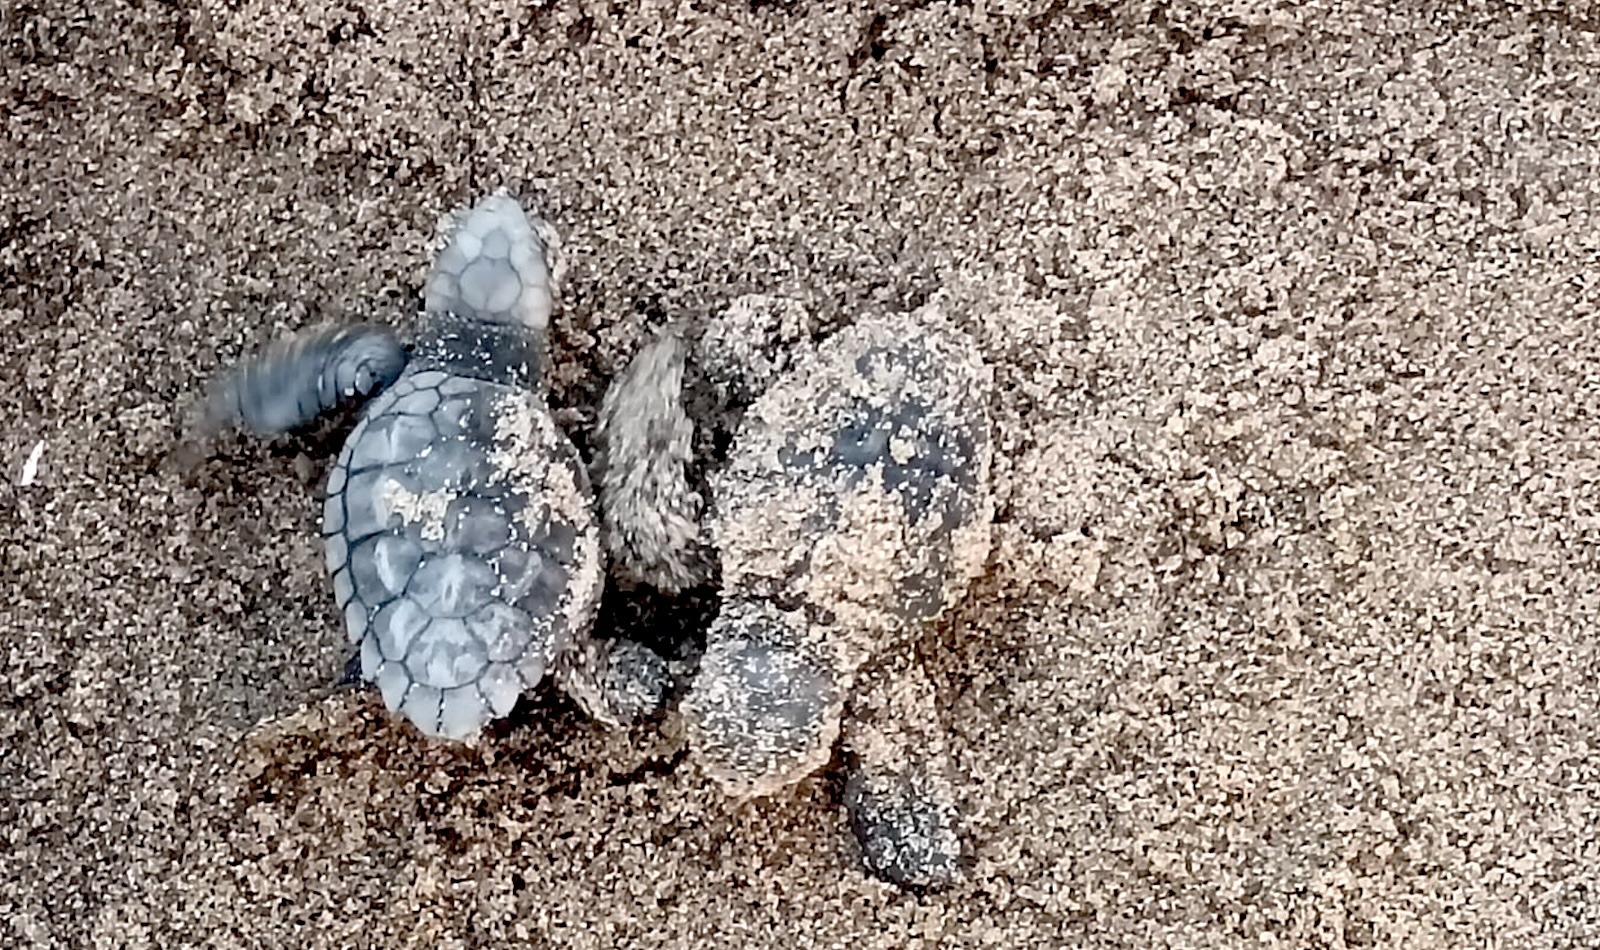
427	509
1292	316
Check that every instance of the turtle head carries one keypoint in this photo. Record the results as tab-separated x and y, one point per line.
489	298
764	709
498	265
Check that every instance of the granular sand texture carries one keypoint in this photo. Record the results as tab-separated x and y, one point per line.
1289	637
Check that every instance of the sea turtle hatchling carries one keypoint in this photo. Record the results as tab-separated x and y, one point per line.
854	510
459	525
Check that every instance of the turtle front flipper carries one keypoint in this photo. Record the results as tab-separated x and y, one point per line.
294	380
650	513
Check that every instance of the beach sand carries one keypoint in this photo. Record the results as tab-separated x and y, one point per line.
1289	635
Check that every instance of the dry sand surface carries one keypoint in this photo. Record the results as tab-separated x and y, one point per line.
1289	636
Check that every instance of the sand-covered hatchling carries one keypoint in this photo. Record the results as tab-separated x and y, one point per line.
460	530
853	510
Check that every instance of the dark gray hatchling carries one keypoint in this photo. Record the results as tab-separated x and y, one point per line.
459	525
853	511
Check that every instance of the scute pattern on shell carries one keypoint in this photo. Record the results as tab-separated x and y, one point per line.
462	568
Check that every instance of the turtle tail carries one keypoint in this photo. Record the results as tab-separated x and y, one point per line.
294	380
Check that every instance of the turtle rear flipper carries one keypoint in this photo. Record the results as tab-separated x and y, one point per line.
297	379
